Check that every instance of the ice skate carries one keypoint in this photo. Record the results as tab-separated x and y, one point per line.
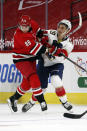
12	104
67	106
43	106
27	106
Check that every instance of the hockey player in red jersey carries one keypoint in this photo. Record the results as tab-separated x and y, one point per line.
25	52
52	63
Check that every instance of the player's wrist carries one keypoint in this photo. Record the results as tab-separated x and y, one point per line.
56	44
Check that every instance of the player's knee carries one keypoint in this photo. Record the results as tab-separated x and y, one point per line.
34	81
25	85
56	81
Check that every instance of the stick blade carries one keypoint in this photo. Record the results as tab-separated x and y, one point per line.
74	116
80	19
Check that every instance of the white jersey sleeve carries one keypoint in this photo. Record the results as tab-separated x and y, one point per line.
52	35
67	45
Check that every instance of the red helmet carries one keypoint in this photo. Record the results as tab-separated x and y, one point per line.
25	20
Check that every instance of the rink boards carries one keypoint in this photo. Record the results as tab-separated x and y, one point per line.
74	80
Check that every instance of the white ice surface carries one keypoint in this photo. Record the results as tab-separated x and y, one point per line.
36	120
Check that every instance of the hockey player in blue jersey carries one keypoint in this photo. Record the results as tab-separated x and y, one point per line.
52	62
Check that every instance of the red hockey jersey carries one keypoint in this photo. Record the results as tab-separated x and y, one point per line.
25	44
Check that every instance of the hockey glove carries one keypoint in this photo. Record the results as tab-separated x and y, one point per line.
50	56
58	52
56	44
41	33
44	41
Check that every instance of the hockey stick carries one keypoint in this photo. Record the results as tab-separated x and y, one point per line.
78	27
73	62
74	116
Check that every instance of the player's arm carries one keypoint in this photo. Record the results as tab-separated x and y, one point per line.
34	48
35	26
49	39
37	49
39	32
58	51
28	45
68	47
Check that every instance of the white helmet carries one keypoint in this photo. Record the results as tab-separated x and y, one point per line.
66	22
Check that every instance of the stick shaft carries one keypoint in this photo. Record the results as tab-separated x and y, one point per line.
79	26
74	63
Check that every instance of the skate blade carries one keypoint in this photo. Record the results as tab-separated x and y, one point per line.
9	105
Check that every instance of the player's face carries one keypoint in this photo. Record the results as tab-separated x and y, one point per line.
61	29
24	28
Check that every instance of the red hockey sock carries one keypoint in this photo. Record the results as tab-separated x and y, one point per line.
36	88
60	91
33	98
20	91
35	84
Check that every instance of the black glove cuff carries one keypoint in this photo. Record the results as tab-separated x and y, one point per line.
56	44
39	34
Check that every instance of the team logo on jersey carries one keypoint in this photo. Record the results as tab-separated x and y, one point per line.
26	4
27	43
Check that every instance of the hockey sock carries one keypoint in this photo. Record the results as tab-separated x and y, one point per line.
40	98
60	92
38	94
63	99
37	91
44	90
33	99
16	96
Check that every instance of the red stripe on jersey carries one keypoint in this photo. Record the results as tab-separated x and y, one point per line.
33	98
20	91
37	92
21	56
36	49
17	56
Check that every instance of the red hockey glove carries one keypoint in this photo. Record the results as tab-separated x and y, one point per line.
44	41
58	52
